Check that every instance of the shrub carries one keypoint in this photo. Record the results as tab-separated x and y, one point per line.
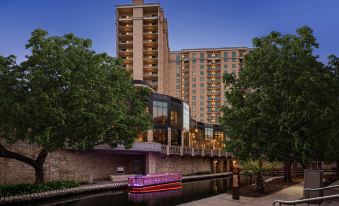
19	189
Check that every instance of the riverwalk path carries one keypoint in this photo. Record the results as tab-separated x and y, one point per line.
291	193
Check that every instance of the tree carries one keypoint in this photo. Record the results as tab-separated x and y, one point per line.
281	107
332	152
67	96
254	167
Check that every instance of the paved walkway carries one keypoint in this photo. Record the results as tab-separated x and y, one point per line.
291	193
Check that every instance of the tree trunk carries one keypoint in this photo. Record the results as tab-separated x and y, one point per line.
295	168
39	174
259	183
287	171
37	164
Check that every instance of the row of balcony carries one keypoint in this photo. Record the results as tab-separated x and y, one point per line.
130	17
190	151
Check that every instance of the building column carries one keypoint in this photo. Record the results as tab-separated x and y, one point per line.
150	163
150	135
169	136
219	166
213	166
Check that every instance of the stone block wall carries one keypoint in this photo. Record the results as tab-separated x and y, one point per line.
65	165
184	165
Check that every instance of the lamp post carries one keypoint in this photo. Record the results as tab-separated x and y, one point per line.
235	180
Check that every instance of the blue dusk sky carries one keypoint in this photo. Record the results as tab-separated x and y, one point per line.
192	23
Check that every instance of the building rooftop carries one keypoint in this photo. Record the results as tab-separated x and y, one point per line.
204	49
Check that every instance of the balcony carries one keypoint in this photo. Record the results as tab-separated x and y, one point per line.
127	59
125	27
126	43
151	76
190	151
150	42
150	34
125	35
215	75
150	59
125	18
125	52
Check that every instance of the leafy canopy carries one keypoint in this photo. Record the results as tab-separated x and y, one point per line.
65	94
282	106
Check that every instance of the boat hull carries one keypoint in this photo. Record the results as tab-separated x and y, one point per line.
156	188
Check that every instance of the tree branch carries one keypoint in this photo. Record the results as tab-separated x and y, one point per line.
8	154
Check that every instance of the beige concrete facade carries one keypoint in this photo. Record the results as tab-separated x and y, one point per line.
197	78
142	43
193	75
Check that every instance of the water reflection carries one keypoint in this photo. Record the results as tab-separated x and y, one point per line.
191	191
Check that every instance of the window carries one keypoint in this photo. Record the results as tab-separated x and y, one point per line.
201	84
201	61
201	115
177	59
234	60
177	93
201	109
202	79
174	118
201	103
160	135
177	69
225	54
194	55
194	85
201	55
225	66
160	112
234	54
208	133
177	80
193	67
178	86
194	79
194	103
193	61
194	73
176	137
178	74
225	59
201	73
194	91
201	97
194	97
193	109
234	66
202	67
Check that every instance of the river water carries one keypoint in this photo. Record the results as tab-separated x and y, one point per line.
191	191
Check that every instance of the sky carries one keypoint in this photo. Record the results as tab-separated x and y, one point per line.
192	23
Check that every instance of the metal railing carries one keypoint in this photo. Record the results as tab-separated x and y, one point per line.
309	200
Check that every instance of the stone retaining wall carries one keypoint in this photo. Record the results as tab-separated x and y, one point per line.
100	164
64	165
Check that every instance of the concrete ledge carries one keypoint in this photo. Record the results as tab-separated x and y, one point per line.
198	177
60	193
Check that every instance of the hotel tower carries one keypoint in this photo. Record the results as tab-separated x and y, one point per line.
192	75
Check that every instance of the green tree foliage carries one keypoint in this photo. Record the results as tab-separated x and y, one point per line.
282	105
67	96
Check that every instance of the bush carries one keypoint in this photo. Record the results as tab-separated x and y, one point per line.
19	189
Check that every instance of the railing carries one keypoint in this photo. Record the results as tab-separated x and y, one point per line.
303	201
309	200
307	190
174	149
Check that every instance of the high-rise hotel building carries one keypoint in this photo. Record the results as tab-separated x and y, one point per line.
193	75
142	43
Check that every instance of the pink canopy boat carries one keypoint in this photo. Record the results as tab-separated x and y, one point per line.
154	182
